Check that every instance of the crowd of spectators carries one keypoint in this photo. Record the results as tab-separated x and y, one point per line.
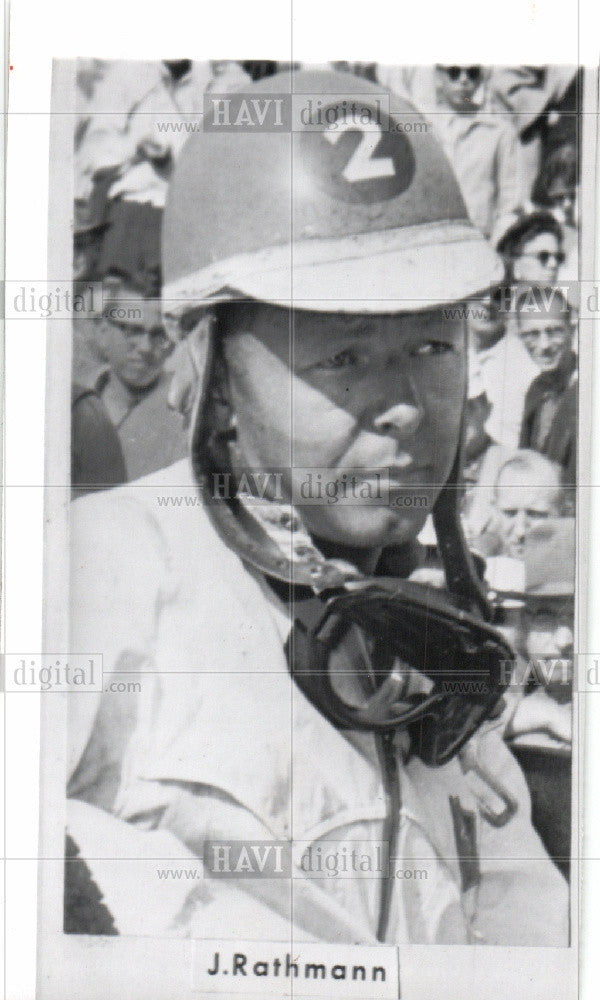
511	135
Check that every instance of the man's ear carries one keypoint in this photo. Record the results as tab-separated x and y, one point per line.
100	334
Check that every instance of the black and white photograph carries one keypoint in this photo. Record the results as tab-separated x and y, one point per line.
315	526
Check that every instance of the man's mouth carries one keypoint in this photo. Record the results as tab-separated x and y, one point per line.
395	475
548	359
140	364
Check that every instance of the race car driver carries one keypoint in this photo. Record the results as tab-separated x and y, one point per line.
308	270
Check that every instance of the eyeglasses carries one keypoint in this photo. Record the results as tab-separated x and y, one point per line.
545	256
158	336
390	653
553	333
561	198
473	73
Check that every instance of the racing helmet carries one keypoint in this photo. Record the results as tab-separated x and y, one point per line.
315	190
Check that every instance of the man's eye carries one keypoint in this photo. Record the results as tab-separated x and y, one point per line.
510	511
430	348
537	515
342	360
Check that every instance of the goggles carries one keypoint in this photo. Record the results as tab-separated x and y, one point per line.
387	653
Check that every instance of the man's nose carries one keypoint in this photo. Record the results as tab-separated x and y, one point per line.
520	524
403	417
143	342
544	341
563	637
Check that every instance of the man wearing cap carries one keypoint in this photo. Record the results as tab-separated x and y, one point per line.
308	270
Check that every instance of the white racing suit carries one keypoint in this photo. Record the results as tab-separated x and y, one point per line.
219	743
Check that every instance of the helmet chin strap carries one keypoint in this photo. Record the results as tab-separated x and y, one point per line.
462	578
253	544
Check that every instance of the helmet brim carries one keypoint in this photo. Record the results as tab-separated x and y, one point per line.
395	271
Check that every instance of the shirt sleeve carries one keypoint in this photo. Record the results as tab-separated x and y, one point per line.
508	194
118	580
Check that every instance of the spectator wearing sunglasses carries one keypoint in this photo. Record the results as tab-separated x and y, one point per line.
481	147
532	248
550	414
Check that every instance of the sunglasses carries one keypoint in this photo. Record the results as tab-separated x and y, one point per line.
473	73
389	653
545	256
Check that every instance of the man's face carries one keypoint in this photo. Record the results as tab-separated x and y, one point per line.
538	260
350	396
549	628
519	507
132	338
546	334
562	199
485	322
457	85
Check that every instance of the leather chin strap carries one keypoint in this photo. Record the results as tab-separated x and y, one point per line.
462	578
252	543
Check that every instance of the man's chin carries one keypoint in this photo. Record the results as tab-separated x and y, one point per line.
367	528
140	382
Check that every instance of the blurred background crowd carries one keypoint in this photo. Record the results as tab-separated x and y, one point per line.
512	137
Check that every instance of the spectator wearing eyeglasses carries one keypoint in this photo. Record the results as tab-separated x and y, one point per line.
120	358
549	422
